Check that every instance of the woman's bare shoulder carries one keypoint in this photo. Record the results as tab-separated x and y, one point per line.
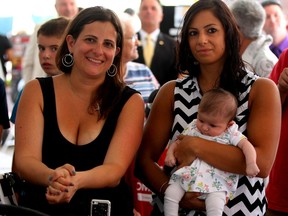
264	91
31	86
168	87
264	86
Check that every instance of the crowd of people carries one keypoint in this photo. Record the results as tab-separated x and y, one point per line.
214	141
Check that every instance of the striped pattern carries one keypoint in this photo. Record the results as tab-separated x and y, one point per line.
140	77
250	195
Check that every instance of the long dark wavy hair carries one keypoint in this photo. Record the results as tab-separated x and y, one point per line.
233	69
109	93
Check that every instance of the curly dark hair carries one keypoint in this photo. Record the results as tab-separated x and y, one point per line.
233	69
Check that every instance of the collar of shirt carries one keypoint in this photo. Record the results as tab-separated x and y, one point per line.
154	36
279	49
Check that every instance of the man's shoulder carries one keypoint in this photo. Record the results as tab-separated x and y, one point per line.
166	37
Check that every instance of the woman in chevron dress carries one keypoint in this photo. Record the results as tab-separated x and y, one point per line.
208	54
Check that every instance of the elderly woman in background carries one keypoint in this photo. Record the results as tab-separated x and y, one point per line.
256	54
136	75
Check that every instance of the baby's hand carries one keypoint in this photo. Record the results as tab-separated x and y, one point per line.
252	169
170	160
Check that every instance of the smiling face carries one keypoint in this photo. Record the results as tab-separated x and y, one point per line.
206	38
94	49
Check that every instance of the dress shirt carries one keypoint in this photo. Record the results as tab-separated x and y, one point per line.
277	50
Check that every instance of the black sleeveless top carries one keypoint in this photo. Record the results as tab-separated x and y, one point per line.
57	151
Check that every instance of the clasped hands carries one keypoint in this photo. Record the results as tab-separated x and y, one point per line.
61	185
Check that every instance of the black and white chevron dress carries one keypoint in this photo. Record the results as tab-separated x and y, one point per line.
250	195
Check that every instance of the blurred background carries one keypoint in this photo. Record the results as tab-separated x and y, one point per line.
21	16
18	19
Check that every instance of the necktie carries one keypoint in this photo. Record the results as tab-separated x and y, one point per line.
148	50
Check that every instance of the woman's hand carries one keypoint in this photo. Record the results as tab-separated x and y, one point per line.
283	81
55	195
63	171
283	85
185	155
61	185
191	201
184	151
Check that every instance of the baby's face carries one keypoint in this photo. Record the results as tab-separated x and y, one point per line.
211	124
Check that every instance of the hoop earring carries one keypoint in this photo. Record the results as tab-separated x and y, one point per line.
68	60
112	72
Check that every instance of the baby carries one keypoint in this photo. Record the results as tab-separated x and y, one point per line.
214	122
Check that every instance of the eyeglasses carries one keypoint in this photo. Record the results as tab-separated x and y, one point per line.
134	38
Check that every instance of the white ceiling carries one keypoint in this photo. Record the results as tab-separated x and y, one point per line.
22	13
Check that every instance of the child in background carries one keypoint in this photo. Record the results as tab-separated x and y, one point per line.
49	38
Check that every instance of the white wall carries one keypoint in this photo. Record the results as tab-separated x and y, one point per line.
22	11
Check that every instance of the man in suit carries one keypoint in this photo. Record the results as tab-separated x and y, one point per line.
163	62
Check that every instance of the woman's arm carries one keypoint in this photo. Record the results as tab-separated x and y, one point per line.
264	123
263	131
155	139
28	136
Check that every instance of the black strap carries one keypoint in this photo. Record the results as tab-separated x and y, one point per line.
10	183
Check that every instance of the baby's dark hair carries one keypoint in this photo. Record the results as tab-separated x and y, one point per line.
219	102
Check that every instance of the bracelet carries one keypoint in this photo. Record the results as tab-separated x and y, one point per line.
160	190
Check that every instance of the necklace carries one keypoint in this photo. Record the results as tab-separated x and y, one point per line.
94	109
